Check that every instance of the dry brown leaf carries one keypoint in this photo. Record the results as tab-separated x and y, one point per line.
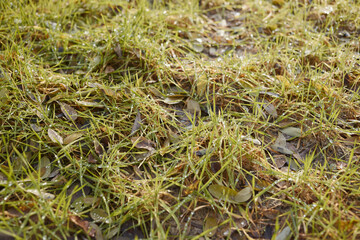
85	225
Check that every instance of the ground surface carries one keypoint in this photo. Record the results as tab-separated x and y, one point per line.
179	119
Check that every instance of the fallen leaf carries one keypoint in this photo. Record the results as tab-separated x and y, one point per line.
85	225
35	127
210	226
243	195
281	140
143	143
118	51
99	149
225	193
284	234
69	112
54	136
294	165
99	215
91	159
197	45
41	194
193	106
72	137
222	192
270	108
44	167
201	85
109	92
98	232
280	145
156	92
137	123
173	100
253	140
82	202
94	62
215	165
280	160
292	131
34	144
176	91
109	69
144	156
281	149
40	112
89	104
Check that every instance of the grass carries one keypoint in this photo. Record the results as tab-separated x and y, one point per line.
147	119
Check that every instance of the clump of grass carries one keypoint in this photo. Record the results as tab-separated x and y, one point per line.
118	119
